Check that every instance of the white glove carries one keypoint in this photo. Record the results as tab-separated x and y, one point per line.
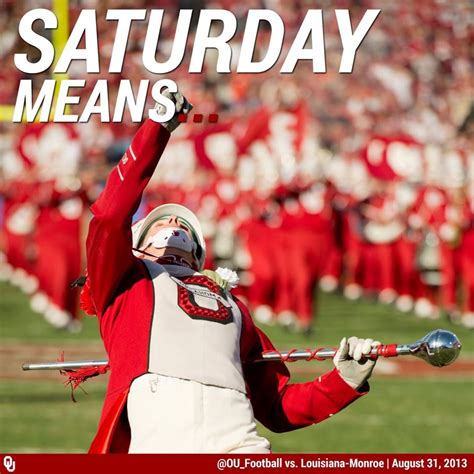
352	362
182	106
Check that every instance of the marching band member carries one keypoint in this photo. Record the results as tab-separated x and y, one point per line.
180	345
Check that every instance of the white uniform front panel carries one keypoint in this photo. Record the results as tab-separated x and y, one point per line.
195	332
170	415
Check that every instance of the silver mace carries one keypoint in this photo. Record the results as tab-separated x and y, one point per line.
439	348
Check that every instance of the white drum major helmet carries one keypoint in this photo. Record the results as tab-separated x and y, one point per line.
140	228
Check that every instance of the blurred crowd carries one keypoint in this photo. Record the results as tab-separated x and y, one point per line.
361	183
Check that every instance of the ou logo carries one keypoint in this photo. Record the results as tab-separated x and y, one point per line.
198	288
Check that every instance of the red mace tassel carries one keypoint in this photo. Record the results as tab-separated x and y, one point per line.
76	377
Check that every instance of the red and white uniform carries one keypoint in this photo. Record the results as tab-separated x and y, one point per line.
434	212
466	258
58	238
139	306
20	217
381	213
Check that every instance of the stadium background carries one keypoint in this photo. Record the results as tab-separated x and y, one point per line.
361	184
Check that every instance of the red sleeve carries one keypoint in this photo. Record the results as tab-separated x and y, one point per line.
282	406
109	242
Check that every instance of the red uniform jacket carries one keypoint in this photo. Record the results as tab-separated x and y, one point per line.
122	293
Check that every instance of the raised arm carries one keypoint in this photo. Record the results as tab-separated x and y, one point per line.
109	241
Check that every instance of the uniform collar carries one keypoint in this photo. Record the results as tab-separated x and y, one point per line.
178	270
157	268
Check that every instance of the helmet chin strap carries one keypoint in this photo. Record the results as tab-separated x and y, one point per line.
171	259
